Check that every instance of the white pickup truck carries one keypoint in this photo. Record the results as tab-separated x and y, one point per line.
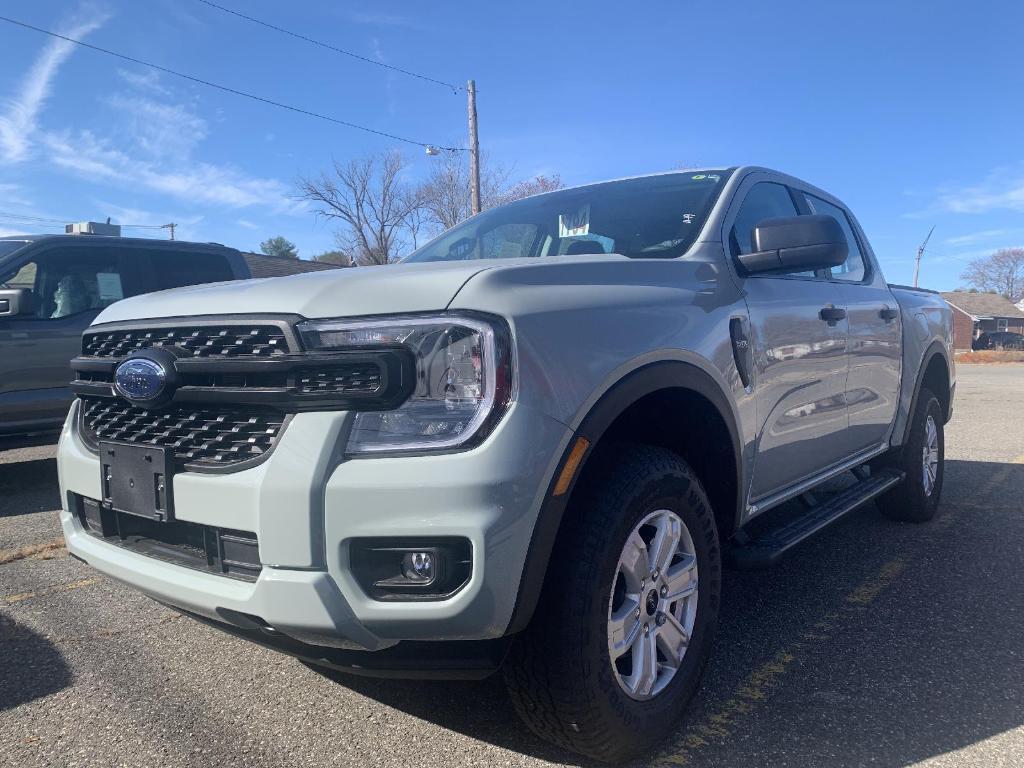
532	445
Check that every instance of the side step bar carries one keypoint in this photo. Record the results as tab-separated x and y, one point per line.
767	550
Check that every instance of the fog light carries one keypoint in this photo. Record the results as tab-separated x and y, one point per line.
418	567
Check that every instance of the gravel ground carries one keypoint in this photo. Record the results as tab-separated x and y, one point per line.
877	644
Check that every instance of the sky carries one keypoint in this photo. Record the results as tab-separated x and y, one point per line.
904	110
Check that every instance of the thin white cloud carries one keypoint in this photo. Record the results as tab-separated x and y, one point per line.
12	194
386	20
92	157
1000	190
19	115
246	224
979	237
157	128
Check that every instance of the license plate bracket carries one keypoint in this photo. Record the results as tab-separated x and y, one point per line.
137	479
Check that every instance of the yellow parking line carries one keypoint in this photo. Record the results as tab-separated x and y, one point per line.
758	685
23	596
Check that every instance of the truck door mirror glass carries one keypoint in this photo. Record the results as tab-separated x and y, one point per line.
15	301
796	243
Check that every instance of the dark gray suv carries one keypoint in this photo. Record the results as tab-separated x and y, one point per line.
53	286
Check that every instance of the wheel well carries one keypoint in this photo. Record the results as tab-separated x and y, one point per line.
936	378
687	423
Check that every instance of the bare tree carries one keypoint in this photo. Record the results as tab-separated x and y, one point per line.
370	199
445	193
1002	272
527	187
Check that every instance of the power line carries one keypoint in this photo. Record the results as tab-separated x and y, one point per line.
328	46
228	89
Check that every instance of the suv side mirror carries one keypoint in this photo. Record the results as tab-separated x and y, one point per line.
15	301
796	243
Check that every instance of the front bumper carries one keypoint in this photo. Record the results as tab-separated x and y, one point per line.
305	505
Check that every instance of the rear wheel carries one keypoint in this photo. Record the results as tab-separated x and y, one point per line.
625	623
922	459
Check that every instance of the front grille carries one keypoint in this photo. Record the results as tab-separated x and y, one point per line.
215	341
348	379
193	545
203	437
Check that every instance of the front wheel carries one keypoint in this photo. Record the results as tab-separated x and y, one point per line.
630	604
922	460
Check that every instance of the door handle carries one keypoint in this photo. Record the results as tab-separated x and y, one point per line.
832	315
888	314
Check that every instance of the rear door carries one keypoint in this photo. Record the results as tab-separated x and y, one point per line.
168	267
800	357
873	382
70	286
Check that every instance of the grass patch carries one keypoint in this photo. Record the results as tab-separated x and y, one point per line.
45	551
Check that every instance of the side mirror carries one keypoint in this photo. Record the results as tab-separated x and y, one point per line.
796	243
15	301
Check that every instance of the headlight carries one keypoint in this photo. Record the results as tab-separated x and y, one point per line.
463	379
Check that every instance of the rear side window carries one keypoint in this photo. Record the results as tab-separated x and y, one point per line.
175	269
853	270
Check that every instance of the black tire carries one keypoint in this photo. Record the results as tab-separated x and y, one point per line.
559	672
910	501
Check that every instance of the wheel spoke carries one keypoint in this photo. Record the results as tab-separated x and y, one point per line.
645	665
665	543
681	578
633	563
672	639
623	628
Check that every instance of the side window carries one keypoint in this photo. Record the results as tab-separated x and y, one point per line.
71	281
853	270
175	269
765	200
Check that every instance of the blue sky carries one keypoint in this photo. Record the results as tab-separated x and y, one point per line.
905	110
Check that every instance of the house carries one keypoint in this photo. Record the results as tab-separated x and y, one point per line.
977	313
261	265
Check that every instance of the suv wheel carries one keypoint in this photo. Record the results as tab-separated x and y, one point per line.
625	624
922	459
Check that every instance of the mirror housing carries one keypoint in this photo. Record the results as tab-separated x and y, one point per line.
15	301
796	243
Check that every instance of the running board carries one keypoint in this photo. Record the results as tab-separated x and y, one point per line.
767	550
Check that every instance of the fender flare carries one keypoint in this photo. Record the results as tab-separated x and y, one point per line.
643	381
935	349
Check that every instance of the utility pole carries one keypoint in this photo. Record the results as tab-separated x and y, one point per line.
920	253
474	149
170	226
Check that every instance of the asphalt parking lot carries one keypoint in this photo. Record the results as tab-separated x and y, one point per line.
878	644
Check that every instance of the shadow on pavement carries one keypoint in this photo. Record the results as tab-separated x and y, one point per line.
28	486
31	667
930	663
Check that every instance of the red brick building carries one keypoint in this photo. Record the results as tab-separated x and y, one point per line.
977	313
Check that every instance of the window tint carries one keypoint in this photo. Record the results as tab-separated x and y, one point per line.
71	282
853	269
175	269
764	201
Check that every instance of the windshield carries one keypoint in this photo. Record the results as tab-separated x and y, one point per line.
655	217
8	247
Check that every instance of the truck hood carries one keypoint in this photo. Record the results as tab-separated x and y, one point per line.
396	288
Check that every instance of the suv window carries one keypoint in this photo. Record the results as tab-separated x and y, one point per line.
175	269
765	200
72	281
853	270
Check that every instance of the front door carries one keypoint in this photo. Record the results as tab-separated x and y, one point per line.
799	334
70	287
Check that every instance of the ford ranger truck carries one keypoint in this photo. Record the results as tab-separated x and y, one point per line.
530	446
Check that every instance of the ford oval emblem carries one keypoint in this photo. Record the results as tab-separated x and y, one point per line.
140	379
